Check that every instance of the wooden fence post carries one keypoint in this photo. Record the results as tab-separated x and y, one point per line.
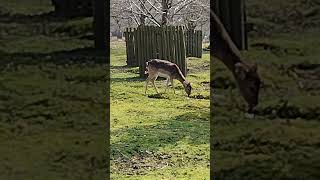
143	49
127	44
199	37
99	24
182	52
135	39
140	58
178	46
132	49
232	15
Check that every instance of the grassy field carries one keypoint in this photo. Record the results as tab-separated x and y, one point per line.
52	98
155	137
282	142
25	7
52	103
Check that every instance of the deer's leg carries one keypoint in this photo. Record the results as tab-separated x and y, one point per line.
154	85
147	82
167	85
171	79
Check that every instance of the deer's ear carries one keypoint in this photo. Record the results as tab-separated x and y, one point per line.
241	71
254	67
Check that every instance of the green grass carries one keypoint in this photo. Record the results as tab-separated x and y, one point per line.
51	121
52	104
76	27
272	16
26	7
52	99
154	137
282	141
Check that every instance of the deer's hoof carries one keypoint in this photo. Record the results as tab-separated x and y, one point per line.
250	115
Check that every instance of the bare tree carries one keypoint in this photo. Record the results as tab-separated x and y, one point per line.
99	24
163	12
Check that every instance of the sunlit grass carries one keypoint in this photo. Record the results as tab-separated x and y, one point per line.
172	125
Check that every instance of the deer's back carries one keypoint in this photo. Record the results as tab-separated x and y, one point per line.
163	67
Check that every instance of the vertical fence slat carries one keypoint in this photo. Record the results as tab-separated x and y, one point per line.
155	43
177	46
144	48
165	48
169	42
159	43
197	43
189	40
127	47
183	52
172	42
149	47
200	44
130	44
140	54
135	47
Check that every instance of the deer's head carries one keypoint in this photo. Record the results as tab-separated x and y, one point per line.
187	87
249	83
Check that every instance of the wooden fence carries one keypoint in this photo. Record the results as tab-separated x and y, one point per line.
131	50
193	43
233	16
147	42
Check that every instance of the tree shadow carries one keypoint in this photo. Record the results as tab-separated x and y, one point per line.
6	17
129	79
120	67
199	96
79	55
158	96
191	127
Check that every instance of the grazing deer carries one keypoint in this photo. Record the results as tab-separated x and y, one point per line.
246	75
166	69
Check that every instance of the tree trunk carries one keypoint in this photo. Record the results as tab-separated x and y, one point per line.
142	17
232	14
99	24
237	23
164	20
142	20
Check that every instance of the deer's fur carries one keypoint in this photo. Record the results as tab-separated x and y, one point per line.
166	69
246	75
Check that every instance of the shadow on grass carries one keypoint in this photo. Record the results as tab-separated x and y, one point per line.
80	55
120	67
130	79
256	154
199	96
191	127
6	17
158	96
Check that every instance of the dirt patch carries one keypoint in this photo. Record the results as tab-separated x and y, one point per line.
288	110
278	50
142	162
158	96
199	96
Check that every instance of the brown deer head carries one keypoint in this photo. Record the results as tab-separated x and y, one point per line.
249	83
226	51
187	87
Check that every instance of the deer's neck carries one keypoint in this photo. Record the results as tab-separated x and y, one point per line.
223	48
180	77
